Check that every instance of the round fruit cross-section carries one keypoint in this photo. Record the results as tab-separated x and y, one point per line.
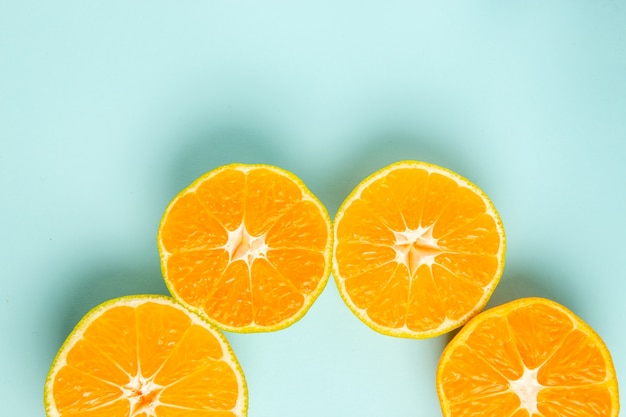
246	246
418	250
529	357
145	356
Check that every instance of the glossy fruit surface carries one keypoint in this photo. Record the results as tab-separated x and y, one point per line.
246	246
529	357
418	250
145	356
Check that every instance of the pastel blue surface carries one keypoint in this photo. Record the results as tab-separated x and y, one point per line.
108	109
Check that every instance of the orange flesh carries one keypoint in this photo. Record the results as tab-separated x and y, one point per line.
151	360
536	360
417	249
246	247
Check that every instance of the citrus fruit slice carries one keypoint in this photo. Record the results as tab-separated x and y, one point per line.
418	250
531	357
145	356
247	246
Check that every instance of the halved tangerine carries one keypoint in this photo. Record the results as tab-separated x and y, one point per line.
246	246
418	250
531	357
145	356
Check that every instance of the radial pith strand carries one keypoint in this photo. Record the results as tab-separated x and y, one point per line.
527	388
142	393
243	246
415	247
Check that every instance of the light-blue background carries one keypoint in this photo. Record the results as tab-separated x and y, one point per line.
109	108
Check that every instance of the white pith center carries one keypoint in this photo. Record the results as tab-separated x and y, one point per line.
527	388
416	247
242	245
143	395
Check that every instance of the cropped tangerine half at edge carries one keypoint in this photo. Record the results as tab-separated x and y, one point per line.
145	356
246	246
418	250
531	357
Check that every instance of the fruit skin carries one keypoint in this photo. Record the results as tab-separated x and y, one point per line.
488	290
503	310
327	252
133	299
